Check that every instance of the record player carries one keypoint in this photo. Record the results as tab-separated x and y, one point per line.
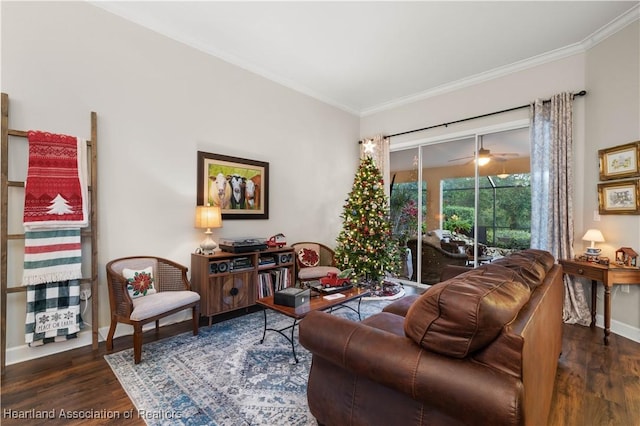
243	245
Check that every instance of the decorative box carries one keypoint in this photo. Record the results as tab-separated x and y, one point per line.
292	297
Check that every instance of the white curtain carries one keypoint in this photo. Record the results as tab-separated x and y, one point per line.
377	148
552	192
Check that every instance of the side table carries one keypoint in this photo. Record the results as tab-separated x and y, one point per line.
608	275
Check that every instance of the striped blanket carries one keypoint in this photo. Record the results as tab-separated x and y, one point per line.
51	256
53	312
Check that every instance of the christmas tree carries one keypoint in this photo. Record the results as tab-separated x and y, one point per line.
365	243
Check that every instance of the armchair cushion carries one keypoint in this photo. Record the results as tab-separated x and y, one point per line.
159	303
464	314
139	283
316	272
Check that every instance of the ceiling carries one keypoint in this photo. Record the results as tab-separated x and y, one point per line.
366	56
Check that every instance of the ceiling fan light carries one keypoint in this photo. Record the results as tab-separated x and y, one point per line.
483	161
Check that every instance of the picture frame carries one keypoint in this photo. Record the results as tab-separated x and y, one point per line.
239	186
620	162
621	197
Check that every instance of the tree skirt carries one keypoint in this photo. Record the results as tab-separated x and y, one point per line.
224	376
389	290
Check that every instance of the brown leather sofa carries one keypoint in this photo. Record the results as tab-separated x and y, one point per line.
478	349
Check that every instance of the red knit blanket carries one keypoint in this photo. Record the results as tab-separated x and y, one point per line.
54	191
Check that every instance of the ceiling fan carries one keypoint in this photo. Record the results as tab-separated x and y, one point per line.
485	156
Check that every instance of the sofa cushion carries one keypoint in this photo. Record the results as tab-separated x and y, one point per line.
462	315
531	264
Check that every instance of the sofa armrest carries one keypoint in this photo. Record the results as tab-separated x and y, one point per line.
401	306
398	363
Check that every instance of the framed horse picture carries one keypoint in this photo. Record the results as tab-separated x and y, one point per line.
240	187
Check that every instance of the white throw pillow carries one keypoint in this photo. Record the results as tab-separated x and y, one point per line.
139	283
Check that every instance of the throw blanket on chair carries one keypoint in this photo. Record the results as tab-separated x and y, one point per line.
53	312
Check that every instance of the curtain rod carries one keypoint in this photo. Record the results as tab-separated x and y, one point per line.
580	93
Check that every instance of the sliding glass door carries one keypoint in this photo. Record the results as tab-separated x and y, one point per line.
461	201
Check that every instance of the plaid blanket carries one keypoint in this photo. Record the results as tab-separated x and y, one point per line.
53	312
52	256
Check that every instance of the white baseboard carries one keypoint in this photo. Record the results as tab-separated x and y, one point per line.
620	328
25	352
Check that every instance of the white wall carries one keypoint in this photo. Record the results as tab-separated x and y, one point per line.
158	103
609	115
613	118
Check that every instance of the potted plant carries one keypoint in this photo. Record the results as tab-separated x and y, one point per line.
457	225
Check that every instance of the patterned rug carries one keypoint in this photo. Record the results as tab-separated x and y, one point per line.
224	376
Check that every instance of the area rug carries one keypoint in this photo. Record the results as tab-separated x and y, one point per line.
224	376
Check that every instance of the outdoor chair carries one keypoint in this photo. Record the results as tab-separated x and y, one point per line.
144	289
433	259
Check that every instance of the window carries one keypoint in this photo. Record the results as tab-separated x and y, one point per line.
437	189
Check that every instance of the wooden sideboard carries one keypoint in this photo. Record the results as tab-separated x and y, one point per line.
608	275
230	281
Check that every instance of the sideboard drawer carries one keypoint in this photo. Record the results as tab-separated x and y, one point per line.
587	271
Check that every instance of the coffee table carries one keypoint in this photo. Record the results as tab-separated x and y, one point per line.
319	303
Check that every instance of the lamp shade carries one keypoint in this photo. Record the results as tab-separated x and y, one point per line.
593	235
208	217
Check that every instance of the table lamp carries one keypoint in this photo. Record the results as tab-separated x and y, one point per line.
208	217
595	236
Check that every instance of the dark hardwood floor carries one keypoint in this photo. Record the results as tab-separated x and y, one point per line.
596	385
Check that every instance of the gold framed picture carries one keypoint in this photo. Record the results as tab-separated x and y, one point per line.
619	197
239	186
620	162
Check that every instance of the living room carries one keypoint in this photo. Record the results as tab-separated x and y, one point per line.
160	101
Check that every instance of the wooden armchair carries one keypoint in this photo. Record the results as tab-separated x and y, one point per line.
309	270
144	289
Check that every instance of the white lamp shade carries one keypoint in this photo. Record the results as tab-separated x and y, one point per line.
208	217
593	235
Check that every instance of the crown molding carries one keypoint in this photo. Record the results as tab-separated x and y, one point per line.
612	27
587	43
598	36
478	78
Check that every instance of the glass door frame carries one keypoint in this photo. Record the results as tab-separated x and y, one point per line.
476	134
